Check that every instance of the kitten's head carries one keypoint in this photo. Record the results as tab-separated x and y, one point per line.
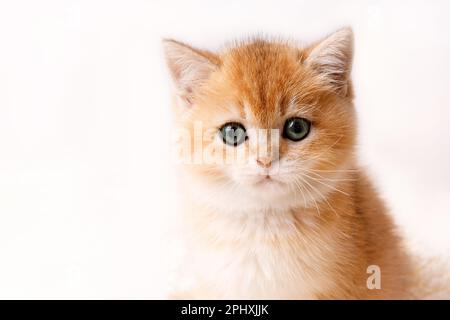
265	124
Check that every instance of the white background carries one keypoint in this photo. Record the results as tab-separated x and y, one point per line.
85	181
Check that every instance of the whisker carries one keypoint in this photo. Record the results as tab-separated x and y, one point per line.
327	185
310	194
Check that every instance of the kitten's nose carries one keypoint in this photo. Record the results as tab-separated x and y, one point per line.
264	162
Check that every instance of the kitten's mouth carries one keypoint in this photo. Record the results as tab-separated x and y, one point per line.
267	180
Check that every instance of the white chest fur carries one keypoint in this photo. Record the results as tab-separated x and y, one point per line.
258	255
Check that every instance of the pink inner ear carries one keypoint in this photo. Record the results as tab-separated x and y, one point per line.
188	100
187	96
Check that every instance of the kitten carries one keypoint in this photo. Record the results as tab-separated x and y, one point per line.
289	215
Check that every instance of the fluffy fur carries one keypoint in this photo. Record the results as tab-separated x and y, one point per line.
310	232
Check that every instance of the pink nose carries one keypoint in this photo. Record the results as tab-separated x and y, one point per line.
264	162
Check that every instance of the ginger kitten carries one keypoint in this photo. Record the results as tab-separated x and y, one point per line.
275	205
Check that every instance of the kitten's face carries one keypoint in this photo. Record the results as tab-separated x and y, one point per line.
276	120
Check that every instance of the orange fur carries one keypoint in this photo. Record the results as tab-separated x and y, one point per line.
311	234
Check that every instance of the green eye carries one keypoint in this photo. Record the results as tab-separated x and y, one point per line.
296	129
233	133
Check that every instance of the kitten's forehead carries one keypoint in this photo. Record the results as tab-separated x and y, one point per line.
265	75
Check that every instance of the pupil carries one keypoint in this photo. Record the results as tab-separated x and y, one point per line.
297	127
235	132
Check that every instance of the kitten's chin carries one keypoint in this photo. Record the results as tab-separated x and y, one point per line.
266	189
259	195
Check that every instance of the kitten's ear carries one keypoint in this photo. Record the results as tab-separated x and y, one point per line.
332	58
189	67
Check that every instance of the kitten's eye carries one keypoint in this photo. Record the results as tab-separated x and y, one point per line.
296	129
233	133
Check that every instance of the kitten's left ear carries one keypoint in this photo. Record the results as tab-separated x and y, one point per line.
332	58
189	67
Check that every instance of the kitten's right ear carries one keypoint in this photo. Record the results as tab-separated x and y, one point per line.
188	67
332	58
